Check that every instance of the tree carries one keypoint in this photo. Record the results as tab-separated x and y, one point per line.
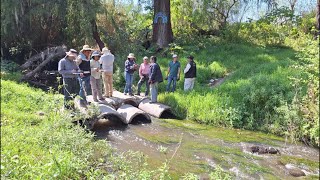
162	30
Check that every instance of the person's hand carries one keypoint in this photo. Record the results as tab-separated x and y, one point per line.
97	69
81	75
150	82
74	71
141	77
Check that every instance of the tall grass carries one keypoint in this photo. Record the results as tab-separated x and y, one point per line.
261	80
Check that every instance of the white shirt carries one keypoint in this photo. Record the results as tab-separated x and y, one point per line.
93	65
187	68
107	60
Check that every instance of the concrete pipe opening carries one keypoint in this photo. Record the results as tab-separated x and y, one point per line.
156	109
140	119
167	114
131	113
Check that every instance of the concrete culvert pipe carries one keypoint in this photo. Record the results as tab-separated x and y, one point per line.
156	109
125	99
108	112
133	115
111	102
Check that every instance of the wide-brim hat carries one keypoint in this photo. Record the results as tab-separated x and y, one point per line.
131	55
72	52
86	48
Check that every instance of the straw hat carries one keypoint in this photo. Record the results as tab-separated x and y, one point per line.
72	52
131	55
86	48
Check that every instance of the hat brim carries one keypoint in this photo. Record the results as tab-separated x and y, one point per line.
131	57
87	49
71	54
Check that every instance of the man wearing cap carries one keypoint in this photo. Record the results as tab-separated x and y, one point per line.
144	71
173	74
106	61
67	67
190	74
83	62
95	76
130	67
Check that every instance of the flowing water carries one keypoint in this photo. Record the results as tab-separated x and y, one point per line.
198	149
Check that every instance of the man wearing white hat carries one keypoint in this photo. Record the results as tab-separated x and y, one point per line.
106	61
67	68
83	62
130	67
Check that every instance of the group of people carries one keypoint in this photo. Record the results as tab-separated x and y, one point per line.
82	75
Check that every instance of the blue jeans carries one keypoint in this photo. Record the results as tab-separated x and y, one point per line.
84	87
145	79
154	91
129	81
172	80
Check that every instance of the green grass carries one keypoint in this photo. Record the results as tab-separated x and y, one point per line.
260	80
43	147
51	147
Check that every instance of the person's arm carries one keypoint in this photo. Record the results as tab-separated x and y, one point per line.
78	60
187	68
179	72
140	71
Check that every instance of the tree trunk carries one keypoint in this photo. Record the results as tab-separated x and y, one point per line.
162	30
96	35
318	17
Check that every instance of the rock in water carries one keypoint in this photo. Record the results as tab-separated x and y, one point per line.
296	172
272	150
254	149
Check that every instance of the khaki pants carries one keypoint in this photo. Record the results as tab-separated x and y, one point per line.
107	83
96	88
188	83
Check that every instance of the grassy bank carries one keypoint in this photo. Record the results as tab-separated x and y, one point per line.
38	141
266	88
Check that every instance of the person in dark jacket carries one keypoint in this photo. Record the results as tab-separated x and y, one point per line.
155	77
129	69
190	74
83	62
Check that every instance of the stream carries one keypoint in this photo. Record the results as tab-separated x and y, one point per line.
199	149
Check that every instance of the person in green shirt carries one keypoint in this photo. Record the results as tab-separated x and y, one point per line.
173	74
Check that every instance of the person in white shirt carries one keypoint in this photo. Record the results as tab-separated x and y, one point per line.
95	77
106	61
190	74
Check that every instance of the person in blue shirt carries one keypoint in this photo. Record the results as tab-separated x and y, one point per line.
173	74
129	69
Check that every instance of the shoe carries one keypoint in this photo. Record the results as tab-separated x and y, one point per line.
102	99
130	94
152	102
125	93
95	100
138	94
